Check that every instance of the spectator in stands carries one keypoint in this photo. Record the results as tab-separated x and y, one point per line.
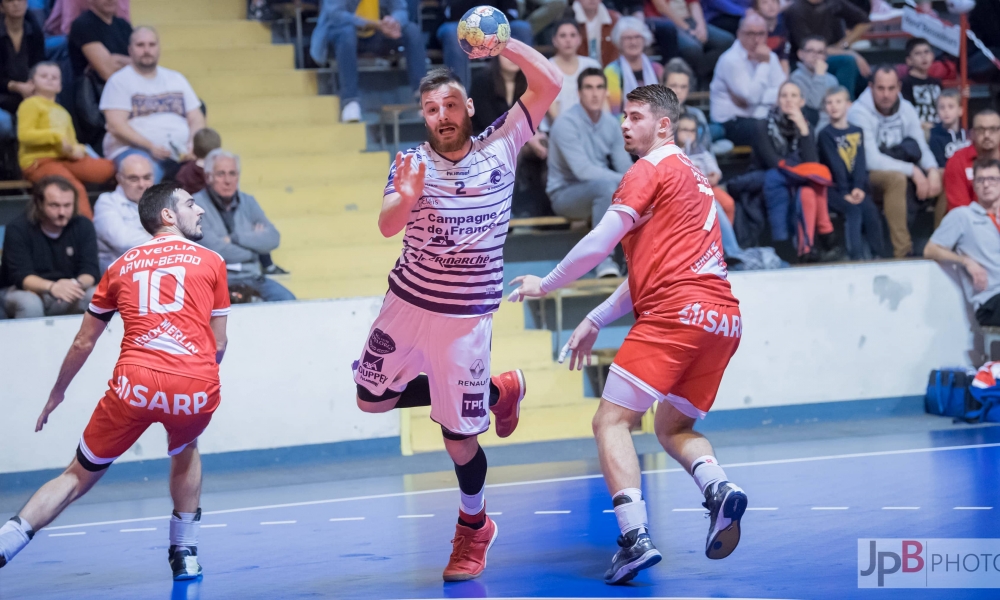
777	31
948	135
49	264
746	82
99	39
236	227
587	159
116	214
726	14
191	175
699	43
896	153
827	18
64	12
566	40
632	68
842	149
785	136
686	137
544	13
920	89
22	46
968	237
812	78
454	57
983	21
958	176
595	23
378	26
679	77
150	110
47	140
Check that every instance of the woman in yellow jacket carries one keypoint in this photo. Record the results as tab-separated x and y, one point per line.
47	139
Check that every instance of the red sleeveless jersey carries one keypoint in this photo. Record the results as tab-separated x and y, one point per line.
166	291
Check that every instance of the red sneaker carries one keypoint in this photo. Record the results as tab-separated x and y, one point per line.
507	410
469	548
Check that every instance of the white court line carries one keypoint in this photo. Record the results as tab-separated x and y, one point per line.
764	508
552	512
414	516
278	522
338	519
138	529
67	534
609	510
830	507
536	482
494	514
973	508
689	510
900	508
213	526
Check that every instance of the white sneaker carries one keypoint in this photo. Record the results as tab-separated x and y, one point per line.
351	112
608	268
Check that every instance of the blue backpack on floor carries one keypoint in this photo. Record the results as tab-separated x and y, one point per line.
948	393
985	392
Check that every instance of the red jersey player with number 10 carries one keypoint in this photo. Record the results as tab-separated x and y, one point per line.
688	326
173	297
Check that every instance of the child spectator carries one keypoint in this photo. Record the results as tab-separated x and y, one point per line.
48	144
679	77
947	135
777	31
842	149
191	175
918	87
813	78
686	137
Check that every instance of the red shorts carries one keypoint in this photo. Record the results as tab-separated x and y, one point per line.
682	354
138	397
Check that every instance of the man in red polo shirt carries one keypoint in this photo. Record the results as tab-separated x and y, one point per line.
958	171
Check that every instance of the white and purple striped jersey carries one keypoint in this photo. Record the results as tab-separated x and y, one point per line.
452	259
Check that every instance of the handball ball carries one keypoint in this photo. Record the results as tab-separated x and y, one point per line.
483	31
960	7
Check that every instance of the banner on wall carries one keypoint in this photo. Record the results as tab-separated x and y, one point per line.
941	35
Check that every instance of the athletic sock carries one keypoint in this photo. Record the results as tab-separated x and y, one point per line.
184	528
494	394
706	471
417	393
630	509
14	536
472	483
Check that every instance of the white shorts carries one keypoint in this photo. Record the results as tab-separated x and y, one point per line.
454	352
628	391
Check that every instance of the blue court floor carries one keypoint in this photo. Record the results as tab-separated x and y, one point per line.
389	537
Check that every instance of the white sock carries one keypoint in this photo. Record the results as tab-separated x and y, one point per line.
14	536
184	528
631	515
473	505
706	471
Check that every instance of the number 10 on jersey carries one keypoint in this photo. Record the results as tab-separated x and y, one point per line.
149	290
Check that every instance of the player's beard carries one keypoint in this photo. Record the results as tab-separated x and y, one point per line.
464	133
191	232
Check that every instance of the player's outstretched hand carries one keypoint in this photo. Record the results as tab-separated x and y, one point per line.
55	399
580	345
409	182
530	286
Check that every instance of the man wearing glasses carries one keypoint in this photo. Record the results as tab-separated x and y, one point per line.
116	214
969	236
958	176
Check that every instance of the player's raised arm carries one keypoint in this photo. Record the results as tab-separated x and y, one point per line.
408	183
90	330
544	78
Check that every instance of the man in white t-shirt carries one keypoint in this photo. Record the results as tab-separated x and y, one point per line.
150	110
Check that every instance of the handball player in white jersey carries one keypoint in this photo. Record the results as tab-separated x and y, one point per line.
452	194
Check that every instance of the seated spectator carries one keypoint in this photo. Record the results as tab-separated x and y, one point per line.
447	34
686	137
726	14
150	110
376	26
920	89
49	265
236	227
544	13
896	154
827	18
64	12
948	135
47	140
116	214
959	187
22	46
785	140
587	159
191	175
566	40
632	68
595	22
967	237
777	31
842	149
746	82
699	43
679	77
812	78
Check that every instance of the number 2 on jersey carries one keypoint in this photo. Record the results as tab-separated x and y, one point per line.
460	188
149	290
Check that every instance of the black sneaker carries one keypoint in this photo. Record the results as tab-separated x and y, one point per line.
724	530
184	562
637	553
275	270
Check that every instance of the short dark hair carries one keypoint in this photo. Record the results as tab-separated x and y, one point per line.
986	112
678	65
812	38
660	99
590	72
206	140
152	203
985	163
44	63
953	93
914	42
437	77
34	212
685	117
561	22
883	68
